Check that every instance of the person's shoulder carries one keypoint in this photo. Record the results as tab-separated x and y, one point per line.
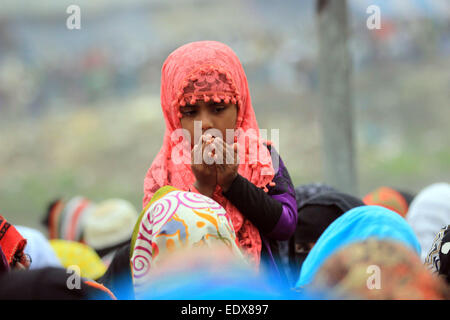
277	162
273	151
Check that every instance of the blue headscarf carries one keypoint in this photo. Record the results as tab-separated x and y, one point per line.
231	284
357	225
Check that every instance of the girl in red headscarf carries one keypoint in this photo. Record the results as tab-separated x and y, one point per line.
204	94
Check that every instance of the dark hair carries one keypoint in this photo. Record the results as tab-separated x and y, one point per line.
46	220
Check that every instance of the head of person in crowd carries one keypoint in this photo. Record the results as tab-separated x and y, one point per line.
314	216
65	219
302	193
356	225
397	201
437	260
428	213
72	253
378	269
306	191
38	249
109	227
12	244
173	221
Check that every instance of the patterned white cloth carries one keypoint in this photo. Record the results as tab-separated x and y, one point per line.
178	220
432	261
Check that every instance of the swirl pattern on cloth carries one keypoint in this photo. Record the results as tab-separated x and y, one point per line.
178	220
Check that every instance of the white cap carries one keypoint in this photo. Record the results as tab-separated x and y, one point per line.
111	223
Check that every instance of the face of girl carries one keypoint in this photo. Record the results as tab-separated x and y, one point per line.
220	116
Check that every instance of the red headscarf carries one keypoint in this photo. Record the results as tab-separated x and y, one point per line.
209	70
11	241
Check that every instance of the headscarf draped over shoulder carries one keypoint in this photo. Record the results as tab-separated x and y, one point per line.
209	70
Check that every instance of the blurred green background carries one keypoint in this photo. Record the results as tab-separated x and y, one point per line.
80	112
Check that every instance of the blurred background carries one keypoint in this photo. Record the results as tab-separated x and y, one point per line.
80	111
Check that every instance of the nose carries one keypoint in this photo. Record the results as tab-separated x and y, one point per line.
206	120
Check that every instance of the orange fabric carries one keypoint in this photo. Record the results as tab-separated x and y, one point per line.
11	241
388	198
202	71
101	287
74	219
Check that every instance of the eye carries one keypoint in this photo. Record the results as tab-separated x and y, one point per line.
218	108
302	248
188	112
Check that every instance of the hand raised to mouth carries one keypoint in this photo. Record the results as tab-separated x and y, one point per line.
204	171
227	162
214	162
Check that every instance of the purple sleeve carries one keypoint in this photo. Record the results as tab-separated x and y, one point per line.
287	223
283	192
274	213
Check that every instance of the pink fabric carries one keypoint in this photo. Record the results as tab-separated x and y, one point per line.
201	71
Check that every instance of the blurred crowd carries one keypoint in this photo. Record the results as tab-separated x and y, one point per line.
88	67
390	244
234	232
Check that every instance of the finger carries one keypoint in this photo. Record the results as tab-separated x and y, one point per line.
200	144
208	154
19	266
217	141
219	149
197	155
208	137
196	147
229	157
199	140
231	148
233	153
228	153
